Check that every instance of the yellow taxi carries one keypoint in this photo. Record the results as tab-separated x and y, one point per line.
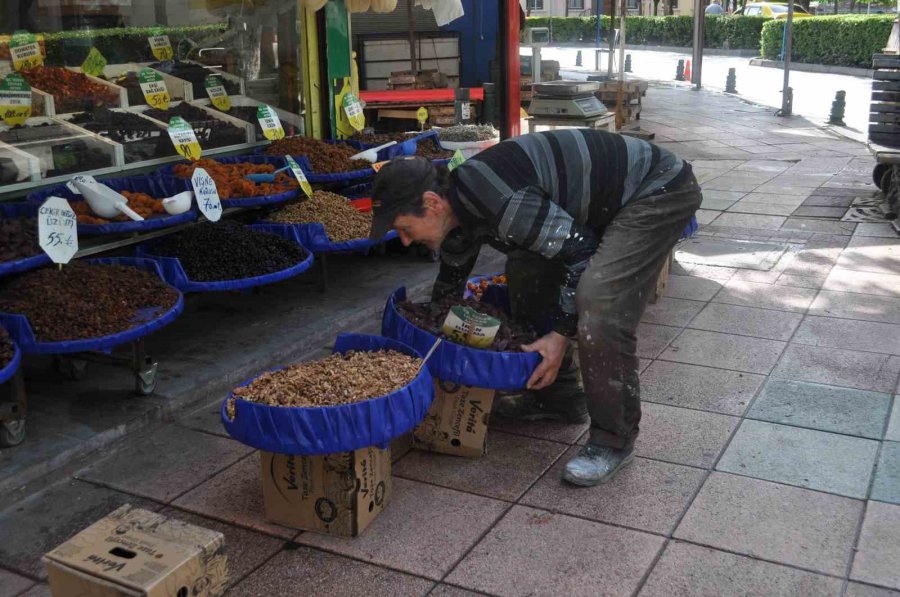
772	10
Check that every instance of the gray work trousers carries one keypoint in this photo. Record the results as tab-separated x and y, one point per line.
611	298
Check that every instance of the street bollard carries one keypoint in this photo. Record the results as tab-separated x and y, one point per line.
731	81
627	63
679	71
578	58
837	109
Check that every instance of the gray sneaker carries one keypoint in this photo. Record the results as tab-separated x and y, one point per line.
596	465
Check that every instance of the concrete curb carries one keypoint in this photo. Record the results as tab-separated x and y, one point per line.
676	49
815	68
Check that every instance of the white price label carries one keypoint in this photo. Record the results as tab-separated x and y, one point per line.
465	110
299	175
207	195
81	178
57	230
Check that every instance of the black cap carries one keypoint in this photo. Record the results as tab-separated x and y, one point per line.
398	188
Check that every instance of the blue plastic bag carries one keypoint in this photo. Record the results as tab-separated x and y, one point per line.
147	321
174	274
458	363
159	188
310	431
21	210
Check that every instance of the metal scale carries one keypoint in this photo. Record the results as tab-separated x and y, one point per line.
566	99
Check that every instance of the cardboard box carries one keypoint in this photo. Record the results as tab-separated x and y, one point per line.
338	494
457	421
139	553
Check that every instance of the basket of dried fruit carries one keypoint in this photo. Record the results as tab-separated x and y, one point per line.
322	161
234	189
144	194
421	144
10	357
329	222
19	248
88	305
226	255
369	391
504	367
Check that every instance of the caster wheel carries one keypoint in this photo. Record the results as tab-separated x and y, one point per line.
145	381
12	432
72	369
881	176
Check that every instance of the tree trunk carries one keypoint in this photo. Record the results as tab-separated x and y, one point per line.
655	7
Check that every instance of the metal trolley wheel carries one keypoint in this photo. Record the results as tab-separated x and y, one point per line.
12	432
13	407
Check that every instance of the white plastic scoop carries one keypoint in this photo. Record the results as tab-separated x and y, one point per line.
104	201
178	204
371	155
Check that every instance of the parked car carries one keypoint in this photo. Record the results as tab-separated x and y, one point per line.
772	10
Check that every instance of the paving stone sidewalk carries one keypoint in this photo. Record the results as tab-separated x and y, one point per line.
769	458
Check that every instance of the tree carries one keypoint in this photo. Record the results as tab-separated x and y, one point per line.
655	7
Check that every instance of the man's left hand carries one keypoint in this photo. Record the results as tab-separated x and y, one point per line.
552	348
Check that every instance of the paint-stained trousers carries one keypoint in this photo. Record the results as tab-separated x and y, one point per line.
611	298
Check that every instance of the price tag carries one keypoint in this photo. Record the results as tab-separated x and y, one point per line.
25	50
215	89
465	110
83	179
94	63
299	175
161	47
270	123
422	115
15	99
207	195
57	230
377	166
354	111
154	88
183	138
457	159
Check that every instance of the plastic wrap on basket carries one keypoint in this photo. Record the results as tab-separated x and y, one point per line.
455	362
329	429
147	322
156	187
174	274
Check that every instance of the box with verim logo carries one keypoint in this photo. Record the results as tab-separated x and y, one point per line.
457	421
337	494
138	553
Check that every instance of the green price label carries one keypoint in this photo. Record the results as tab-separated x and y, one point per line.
215	89
15	99
353	110
94	63
154	88
25	50
457	160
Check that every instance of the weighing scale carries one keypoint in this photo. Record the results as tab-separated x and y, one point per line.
566	99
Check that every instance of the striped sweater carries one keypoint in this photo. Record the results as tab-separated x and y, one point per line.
551	193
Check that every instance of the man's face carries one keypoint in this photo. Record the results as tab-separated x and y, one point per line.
430	228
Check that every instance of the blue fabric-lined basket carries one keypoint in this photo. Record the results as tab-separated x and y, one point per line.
21	210
328	429
148	321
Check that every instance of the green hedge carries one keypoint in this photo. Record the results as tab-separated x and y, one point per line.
721	32
844	40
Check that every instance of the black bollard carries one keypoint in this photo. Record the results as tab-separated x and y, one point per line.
627	63
731	81
679	71
578	58
838	106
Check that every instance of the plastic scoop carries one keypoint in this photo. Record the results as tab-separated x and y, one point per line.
371	155
178	204
265	177
105	202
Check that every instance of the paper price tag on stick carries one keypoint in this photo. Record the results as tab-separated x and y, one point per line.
94	63
354	111
161	47
457	160
184	139
299	175
270	123
25	50
422	116
15	99
207	195
215	89
57	230
154	88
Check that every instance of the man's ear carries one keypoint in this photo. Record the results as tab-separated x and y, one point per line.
432	200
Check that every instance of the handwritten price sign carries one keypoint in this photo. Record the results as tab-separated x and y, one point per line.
161	47
154	89
15	99
207	195
183	138
57	230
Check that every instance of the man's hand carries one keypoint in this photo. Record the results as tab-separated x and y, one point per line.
552	348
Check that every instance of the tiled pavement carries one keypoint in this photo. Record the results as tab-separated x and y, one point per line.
769	460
